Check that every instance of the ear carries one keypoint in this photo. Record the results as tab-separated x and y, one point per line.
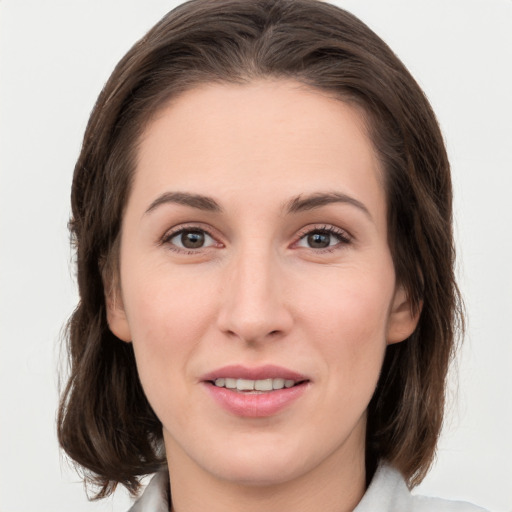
402	318
116	315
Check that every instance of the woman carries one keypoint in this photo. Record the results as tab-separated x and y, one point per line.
262	219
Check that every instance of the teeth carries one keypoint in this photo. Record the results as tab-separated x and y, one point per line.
263	385
278	384
254	385
229	383
245	385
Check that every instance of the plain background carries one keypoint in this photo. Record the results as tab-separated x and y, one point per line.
55	57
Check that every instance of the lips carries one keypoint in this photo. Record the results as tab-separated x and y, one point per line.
255	392
256	373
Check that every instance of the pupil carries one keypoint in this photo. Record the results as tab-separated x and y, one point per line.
319	240
192	239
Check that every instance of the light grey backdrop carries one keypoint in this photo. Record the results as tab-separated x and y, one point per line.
55	57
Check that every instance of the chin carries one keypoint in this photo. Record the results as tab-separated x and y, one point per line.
259	471
272	461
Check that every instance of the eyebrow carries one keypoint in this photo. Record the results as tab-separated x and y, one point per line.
297	204
198	201
310	202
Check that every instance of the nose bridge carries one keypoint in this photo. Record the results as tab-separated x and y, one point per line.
253	307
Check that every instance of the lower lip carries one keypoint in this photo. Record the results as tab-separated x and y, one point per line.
255	405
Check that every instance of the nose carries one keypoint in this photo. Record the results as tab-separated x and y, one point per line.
253	303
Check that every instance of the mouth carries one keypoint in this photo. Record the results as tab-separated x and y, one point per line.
255	392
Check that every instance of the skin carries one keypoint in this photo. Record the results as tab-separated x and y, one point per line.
257	292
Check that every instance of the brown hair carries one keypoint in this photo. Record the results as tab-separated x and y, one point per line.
105	423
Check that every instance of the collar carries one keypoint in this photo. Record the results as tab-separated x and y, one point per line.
387	492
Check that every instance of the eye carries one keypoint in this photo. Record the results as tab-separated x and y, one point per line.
323	238
190	239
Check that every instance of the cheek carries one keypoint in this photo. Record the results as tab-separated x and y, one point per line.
164	304
349	301
347	316
168	316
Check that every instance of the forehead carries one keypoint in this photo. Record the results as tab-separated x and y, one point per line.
222	112
274	134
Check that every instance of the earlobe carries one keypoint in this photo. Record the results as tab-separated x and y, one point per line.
403	318
116	317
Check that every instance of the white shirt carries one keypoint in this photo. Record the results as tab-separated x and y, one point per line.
387	492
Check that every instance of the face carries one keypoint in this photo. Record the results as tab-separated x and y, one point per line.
256	281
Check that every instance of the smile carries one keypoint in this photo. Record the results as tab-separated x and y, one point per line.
255	392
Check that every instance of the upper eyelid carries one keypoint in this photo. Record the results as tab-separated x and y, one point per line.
324	227
172	232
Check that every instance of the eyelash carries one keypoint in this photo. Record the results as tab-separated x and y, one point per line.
341	235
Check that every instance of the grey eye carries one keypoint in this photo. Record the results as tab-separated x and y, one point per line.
321	239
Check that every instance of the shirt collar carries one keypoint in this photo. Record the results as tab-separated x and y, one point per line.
387	490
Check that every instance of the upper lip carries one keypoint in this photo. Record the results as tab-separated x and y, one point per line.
268	371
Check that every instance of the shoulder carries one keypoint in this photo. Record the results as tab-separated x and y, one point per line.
388	492
426	504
